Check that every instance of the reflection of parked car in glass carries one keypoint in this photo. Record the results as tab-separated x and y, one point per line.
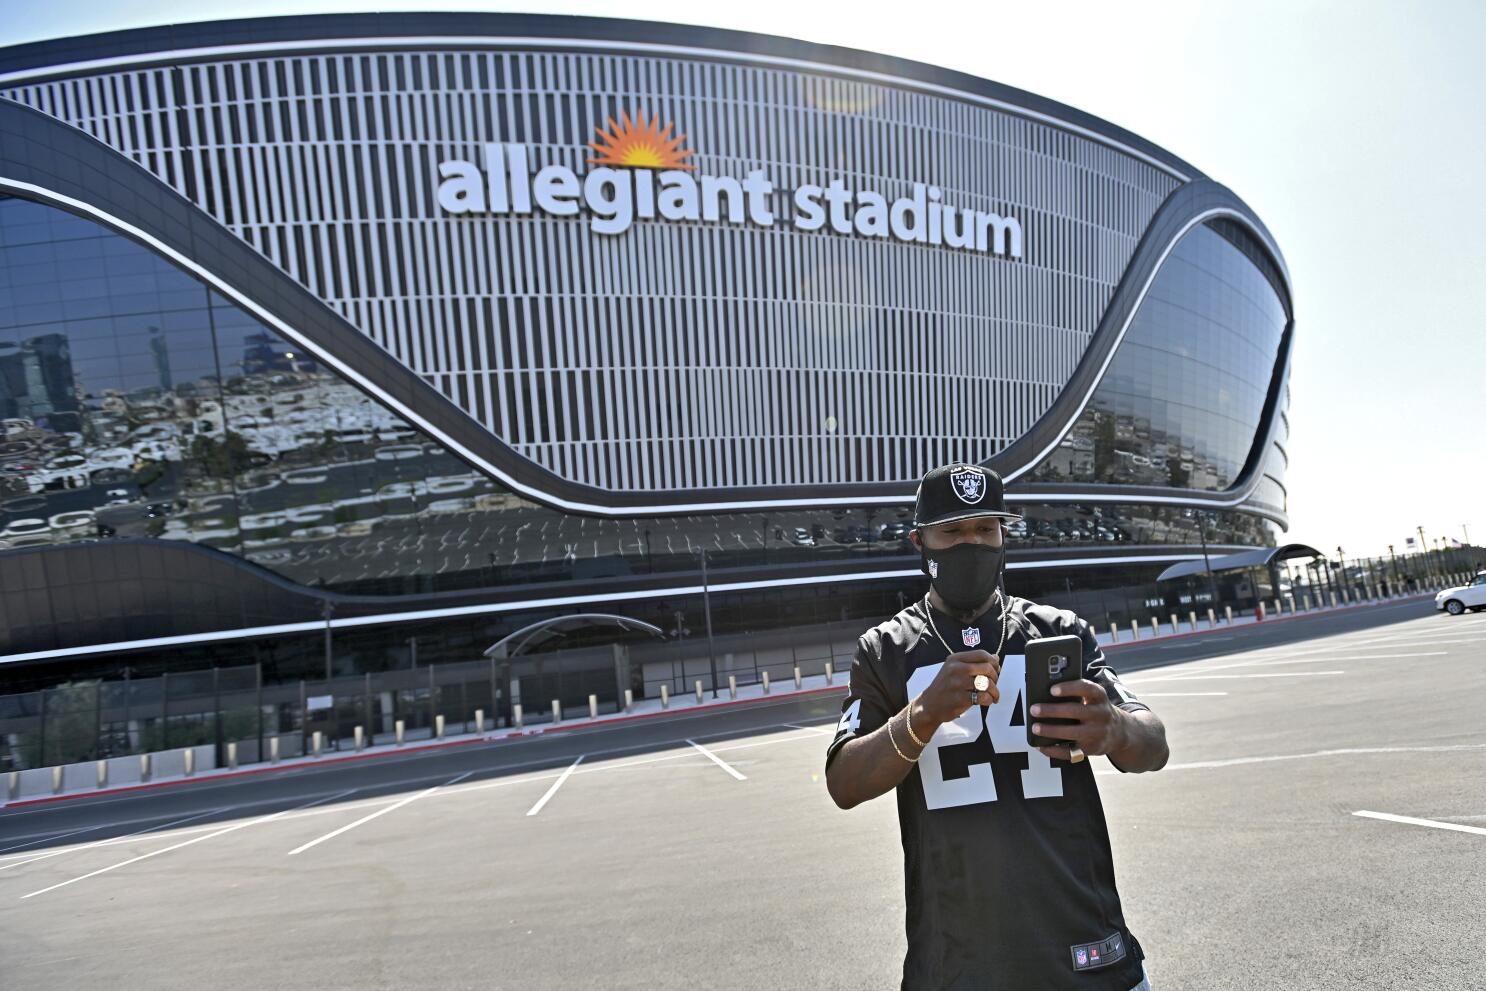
803	538
1462	597
157	510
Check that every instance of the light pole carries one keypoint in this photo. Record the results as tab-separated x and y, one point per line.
1212	582
707	608
327	610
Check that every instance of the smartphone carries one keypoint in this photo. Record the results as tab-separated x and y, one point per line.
1049	661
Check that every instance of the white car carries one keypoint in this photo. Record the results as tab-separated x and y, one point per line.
1462	597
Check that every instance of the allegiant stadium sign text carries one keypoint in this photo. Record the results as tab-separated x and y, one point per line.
616	197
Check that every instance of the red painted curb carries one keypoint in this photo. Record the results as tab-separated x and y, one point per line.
326	761
1264	622
525	734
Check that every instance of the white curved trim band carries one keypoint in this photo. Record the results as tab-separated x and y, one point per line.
477	42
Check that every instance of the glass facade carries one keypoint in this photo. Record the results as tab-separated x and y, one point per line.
136	402
1181	403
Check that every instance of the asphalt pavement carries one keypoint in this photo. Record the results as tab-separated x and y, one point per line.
1321	824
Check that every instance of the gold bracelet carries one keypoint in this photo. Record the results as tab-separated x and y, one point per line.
911	734
911	760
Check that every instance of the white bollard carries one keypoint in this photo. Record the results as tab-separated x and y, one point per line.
479	720
360	738
1332	596
556	711
593	707
232	755
1278	608
1192	616
665	696
1174	629
1212	619
1134	630
1155	627
12	786
766	683
1114	633
517	717
57	780
732	686
629	699
273	750
144	766
102	770
401	729
190	762
798	679
829	672
318	743
438	726
699	691
1228	615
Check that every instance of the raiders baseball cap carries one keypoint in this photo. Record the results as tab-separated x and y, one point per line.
960	492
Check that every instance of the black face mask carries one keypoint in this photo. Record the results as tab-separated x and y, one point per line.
965	575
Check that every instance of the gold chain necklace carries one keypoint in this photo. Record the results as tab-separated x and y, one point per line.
1005	622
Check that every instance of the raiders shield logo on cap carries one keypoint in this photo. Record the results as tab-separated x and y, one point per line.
970	485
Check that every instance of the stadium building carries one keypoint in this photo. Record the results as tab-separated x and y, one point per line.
394	335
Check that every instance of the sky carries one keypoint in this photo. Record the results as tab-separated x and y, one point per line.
1354	130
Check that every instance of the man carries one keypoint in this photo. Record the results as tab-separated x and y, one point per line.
1010	881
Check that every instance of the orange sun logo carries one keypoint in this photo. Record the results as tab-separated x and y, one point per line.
639	144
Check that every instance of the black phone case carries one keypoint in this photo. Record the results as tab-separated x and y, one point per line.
1049	661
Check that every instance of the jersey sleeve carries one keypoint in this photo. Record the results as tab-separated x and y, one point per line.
1097	669
866	706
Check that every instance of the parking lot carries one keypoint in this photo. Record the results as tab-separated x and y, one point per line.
1321	825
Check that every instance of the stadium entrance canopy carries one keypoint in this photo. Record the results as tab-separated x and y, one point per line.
1262	557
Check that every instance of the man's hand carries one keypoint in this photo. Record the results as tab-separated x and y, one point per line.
1100	726
948	695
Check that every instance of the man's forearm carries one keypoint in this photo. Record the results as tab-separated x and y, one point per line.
870	766
1142	744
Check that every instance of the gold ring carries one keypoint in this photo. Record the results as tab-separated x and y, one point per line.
982	683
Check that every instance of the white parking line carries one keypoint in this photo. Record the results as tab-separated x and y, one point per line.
379	812
814	729
116	839
54	836
1175	695
717	760
177	846
1347	656
1223	677
555	785
1411	821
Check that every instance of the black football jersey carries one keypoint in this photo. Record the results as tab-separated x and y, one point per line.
1010	882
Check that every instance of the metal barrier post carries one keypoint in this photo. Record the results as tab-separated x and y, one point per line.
400	729
1212	619
766	682
1114	633
231	755
1228	615
593	707
273	750
479	720
190	756
665	696
798	679
102	770
319	741
699	691
1174	630
360	738
438	725
145	762
57	780
1134	630
1155	627
829	672
517	718
732	686
629	699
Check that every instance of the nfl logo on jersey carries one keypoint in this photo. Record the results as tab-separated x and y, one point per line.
971	636
1083	957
